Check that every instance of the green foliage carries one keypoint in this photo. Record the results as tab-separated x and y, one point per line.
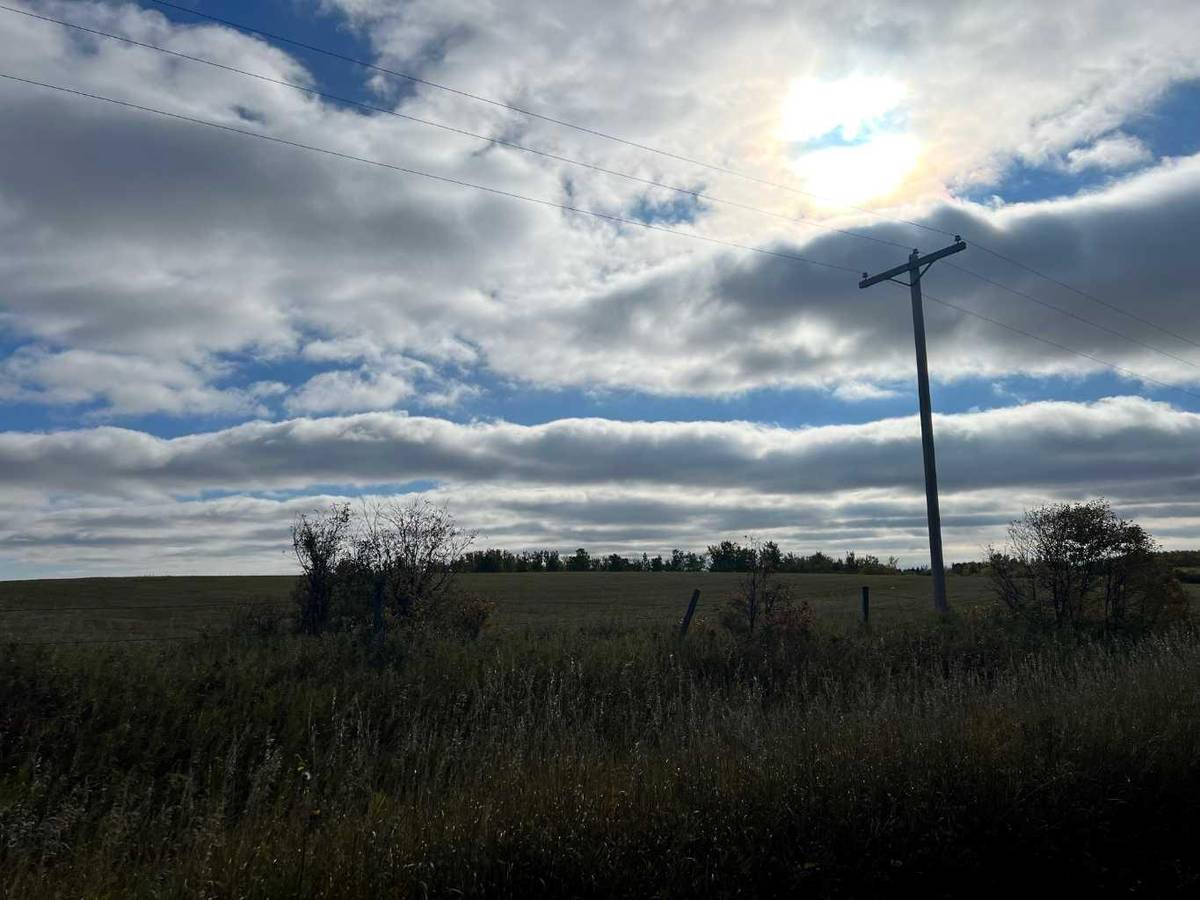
723	557
580	561
601	761
1076	564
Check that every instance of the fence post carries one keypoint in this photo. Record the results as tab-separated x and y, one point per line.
866	604
691	611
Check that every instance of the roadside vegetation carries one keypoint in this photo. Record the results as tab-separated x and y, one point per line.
1000	749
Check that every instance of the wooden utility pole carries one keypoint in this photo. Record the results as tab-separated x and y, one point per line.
916	267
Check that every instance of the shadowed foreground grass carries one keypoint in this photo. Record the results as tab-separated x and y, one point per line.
602	761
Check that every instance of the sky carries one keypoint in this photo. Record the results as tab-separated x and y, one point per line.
629	344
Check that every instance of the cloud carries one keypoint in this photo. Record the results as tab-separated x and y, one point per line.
124	384
1111	153
233	250
608	485
1118	441
157	267
857	392
381	386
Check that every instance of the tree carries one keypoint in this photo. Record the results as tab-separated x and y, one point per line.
580	562
318	541
614	562
730	556
1071	562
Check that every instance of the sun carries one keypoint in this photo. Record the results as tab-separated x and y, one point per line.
846	138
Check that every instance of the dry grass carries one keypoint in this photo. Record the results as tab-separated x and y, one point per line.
602	761
155	607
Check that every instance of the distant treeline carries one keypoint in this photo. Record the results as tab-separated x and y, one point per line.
730	556
727	556
1185	563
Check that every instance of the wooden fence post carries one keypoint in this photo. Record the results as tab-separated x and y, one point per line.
866	604
691	611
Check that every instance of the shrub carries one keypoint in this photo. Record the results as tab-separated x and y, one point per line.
1068	564
388	561
461	615
318	542
760	599
407	554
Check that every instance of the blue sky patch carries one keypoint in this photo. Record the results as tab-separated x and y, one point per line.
1167	129
306	21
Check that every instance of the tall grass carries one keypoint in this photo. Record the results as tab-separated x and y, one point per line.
601	762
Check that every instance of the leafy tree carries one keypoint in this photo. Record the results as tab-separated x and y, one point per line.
614	562
580	562
1074	561
730	556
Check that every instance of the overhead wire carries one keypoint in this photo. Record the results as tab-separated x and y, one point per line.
480	98
1069	313
726	170
698	195
1062	284
1127	372
446	179
566	207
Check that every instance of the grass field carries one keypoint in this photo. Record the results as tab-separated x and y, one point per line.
102	608
578	749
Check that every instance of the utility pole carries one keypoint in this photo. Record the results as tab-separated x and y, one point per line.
916	267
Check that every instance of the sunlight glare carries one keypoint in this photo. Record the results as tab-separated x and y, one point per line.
860	172
846	137
849	106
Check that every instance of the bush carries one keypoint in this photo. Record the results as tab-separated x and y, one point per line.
387	562
1075	564
318	542
763	603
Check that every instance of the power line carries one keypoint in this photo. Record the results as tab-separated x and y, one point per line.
622	220
1067	312
1085	294
660	152
561	206
415	79
698	195
1127	372
500	142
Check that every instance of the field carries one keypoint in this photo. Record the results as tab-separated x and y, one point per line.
103	608
579	749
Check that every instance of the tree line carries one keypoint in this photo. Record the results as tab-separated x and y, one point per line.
725	556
